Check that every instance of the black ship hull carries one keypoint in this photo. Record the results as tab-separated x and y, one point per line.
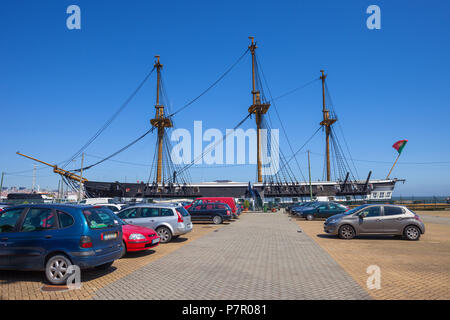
379	189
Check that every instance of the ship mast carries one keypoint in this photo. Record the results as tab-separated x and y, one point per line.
160	121
257	108
326	122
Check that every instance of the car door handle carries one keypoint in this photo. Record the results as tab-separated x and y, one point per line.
48	236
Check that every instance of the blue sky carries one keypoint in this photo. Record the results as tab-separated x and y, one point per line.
58	86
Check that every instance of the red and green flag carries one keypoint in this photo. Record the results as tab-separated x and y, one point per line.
399	145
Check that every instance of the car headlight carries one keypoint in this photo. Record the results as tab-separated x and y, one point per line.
332	221
136	236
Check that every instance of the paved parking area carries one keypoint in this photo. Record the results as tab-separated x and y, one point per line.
261	256
28	285
409	269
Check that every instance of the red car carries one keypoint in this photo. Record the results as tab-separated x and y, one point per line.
137	238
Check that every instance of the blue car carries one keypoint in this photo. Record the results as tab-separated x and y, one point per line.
52	237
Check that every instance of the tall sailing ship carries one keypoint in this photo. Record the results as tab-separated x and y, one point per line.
168	180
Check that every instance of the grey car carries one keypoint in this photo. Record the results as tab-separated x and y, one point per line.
167	220
376	219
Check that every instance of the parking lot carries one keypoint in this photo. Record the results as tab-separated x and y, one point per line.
264	256
409	269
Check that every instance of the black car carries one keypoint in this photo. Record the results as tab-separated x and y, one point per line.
321	209
217	212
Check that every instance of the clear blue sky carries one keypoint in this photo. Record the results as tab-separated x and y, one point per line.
58	86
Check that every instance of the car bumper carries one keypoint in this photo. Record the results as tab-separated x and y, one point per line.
182	228
142	245
89	259
330	228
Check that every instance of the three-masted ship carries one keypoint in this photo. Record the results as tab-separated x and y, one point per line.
168	180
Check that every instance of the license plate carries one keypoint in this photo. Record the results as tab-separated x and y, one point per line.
155	240
109	236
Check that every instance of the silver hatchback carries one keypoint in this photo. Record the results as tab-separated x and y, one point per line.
376	219
168	221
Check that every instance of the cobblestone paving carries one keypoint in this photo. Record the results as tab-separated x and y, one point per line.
261	256
409	269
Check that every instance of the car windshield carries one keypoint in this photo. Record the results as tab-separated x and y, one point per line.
99	218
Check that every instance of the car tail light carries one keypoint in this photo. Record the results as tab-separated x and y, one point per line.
85	242
180	218
417	218
228	212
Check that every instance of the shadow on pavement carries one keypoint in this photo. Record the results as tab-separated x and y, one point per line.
362	237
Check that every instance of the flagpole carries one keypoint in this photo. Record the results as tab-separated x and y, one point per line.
393	166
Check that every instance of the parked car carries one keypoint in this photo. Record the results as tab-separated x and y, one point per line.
3	206
376	219
216	212
136	238
169	221
228	200
52	237
298	207
113	207
321	209
112	203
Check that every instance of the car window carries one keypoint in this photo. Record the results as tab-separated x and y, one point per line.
323	207
8	219
65	219
128	213
198	208
392	211
99	218
332	206
370	212
209	207
149	212
220	206
166	212
182	211
112	208
39	219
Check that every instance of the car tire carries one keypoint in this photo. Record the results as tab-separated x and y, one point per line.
411	233
217	220
124	252
104	266
164	234
56	269
309	217
346	232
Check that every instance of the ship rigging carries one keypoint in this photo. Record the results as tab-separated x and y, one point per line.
170	180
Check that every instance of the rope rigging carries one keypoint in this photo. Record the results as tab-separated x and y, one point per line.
110	120
211	86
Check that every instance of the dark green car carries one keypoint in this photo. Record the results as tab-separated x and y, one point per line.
322	209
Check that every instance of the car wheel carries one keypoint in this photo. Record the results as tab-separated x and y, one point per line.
217	220
309	217
412	233
104	266
56	269
164	234
124	252
346	232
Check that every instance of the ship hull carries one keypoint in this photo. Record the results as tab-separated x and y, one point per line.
333	190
